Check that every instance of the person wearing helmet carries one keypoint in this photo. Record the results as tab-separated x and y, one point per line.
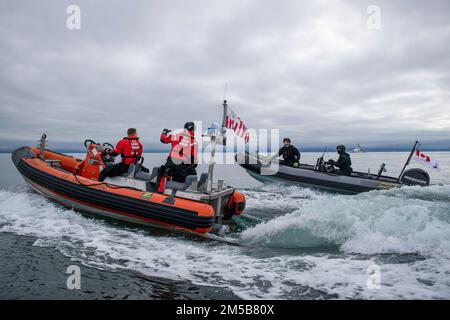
182	159
290	154
344	163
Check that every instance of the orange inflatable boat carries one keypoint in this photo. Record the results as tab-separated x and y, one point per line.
193	207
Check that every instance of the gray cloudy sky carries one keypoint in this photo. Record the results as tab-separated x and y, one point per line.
310	68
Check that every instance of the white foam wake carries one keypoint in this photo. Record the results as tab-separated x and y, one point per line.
409	220
249	275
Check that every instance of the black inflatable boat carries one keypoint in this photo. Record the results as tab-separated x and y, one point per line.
319	176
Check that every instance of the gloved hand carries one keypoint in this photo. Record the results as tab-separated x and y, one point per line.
105	152
166	131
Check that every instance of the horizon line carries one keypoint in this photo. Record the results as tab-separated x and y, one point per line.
305	150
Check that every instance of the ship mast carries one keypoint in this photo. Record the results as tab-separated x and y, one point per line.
216	138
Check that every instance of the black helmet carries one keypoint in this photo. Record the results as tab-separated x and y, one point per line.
189	126
287	139
340	148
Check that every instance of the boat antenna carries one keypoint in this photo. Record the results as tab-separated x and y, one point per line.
319	161
409	159
324	151
225	92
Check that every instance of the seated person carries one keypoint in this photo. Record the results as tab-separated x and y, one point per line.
182	159
290	154
344	163
130	149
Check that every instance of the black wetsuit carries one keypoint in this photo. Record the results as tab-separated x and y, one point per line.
290	155
344	163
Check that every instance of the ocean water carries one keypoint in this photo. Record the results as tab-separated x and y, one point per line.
295	243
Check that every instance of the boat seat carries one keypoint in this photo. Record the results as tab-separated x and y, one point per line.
154	173
144	175
179	185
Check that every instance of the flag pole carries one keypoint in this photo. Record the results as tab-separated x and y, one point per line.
213	149
224	116
409	160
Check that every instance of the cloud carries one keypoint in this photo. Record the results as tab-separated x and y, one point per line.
311	69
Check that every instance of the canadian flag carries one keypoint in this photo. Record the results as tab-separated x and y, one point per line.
426	160
232	121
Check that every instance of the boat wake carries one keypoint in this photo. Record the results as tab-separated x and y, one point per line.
405	231
406	220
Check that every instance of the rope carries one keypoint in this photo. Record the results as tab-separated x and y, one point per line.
103	183
96	184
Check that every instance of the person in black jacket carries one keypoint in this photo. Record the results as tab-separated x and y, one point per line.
290	154
344	163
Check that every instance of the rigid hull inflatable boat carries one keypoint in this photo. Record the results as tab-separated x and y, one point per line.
316	176
190	207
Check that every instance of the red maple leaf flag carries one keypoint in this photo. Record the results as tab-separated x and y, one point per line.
426	160
232	121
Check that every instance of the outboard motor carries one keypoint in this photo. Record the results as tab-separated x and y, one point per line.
415	177
235	205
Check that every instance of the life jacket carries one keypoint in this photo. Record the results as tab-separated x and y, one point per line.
184	147
130	149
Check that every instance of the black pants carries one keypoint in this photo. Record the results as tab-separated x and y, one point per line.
178	172
113	171
345	171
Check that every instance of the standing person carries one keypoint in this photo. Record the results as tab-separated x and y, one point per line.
182	159
290	154
129	148
344	163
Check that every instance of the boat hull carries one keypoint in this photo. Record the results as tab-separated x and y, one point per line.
120	203
306	176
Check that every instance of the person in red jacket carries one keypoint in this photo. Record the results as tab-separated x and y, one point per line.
129	148
182	159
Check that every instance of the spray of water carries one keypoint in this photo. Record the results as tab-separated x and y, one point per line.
362	229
